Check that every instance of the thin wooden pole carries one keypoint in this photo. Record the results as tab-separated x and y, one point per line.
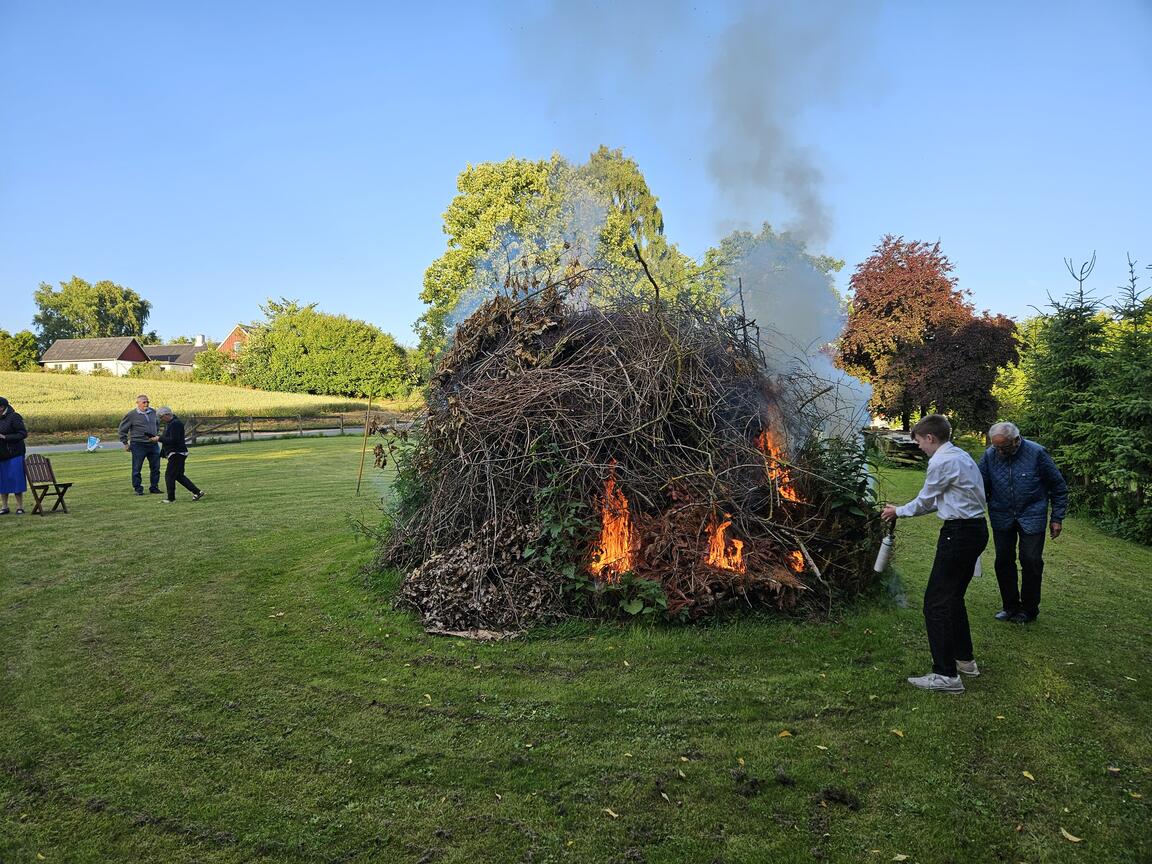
364	448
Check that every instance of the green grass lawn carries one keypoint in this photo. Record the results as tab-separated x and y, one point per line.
219	682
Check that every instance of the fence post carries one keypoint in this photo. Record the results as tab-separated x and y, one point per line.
252	428
239	431
341	424
192	430
300	424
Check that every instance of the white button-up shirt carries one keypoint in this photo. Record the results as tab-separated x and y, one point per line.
953	487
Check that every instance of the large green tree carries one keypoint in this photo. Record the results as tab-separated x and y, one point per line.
501	210
632	222
82	310
907	324
536	215
19	351
302	350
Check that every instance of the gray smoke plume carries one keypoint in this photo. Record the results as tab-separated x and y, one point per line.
799	315
774	61
768	62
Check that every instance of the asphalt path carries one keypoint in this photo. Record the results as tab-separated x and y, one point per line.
204	439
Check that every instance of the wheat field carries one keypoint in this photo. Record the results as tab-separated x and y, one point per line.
81	403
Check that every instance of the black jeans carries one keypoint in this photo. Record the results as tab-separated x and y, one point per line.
945	616
140	451
174	474
1026	598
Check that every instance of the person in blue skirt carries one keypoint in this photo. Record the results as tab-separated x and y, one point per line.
12	435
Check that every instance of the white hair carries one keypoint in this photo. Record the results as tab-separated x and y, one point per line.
1004	430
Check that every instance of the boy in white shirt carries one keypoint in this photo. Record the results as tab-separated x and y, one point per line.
954	490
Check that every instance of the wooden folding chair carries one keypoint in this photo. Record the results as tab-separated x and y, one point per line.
42	482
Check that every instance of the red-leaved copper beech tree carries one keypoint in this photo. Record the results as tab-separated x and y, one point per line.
914	336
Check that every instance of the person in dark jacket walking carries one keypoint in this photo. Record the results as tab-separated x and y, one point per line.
12	435
1021	481
138	432
175	450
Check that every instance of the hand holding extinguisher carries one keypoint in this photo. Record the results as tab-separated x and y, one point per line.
886	547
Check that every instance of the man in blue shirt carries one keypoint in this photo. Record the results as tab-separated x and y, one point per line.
1021	481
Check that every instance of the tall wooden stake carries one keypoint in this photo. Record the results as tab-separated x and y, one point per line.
743	312
364	448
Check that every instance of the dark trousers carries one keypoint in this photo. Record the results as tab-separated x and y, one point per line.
174	474
141	451
1026	598
945	616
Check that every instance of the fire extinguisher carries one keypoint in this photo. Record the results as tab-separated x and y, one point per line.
886	546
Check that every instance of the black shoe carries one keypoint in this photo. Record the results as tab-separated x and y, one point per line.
1023	618
139	491
198	495
1004	615
154	491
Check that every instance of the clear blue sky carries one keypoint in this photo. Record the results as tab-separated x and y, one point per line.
210	155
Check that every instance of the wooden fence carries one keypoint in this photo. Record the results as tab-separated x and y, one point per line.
251	426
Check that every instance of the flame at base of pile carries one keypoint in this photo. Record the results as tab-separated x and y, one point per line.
725	552
618	540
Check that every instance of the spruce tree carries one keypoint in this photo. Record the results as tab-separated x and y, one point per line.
1126	405
1064	378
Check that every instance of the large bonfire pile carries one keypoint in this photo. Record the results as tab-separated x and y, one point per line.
636	450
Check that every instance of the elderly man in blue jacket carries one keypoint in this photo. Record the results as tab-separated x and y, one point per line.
1020	481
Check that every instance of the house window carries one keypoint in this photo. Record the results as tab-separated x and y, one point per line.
237	345
73	366
97	365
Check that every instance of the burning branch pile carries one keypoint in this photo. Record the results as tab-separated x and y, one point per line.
576	452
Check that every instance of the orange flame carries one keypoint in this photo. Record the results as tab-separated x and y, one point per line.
796	561
618	540
771	447
725	552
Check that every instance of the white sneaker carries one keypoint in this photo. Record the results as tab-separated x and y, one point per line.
968	667
932	681
167	501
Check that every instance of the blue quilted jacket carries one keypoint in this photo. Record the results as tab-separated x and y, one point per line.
1019	487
